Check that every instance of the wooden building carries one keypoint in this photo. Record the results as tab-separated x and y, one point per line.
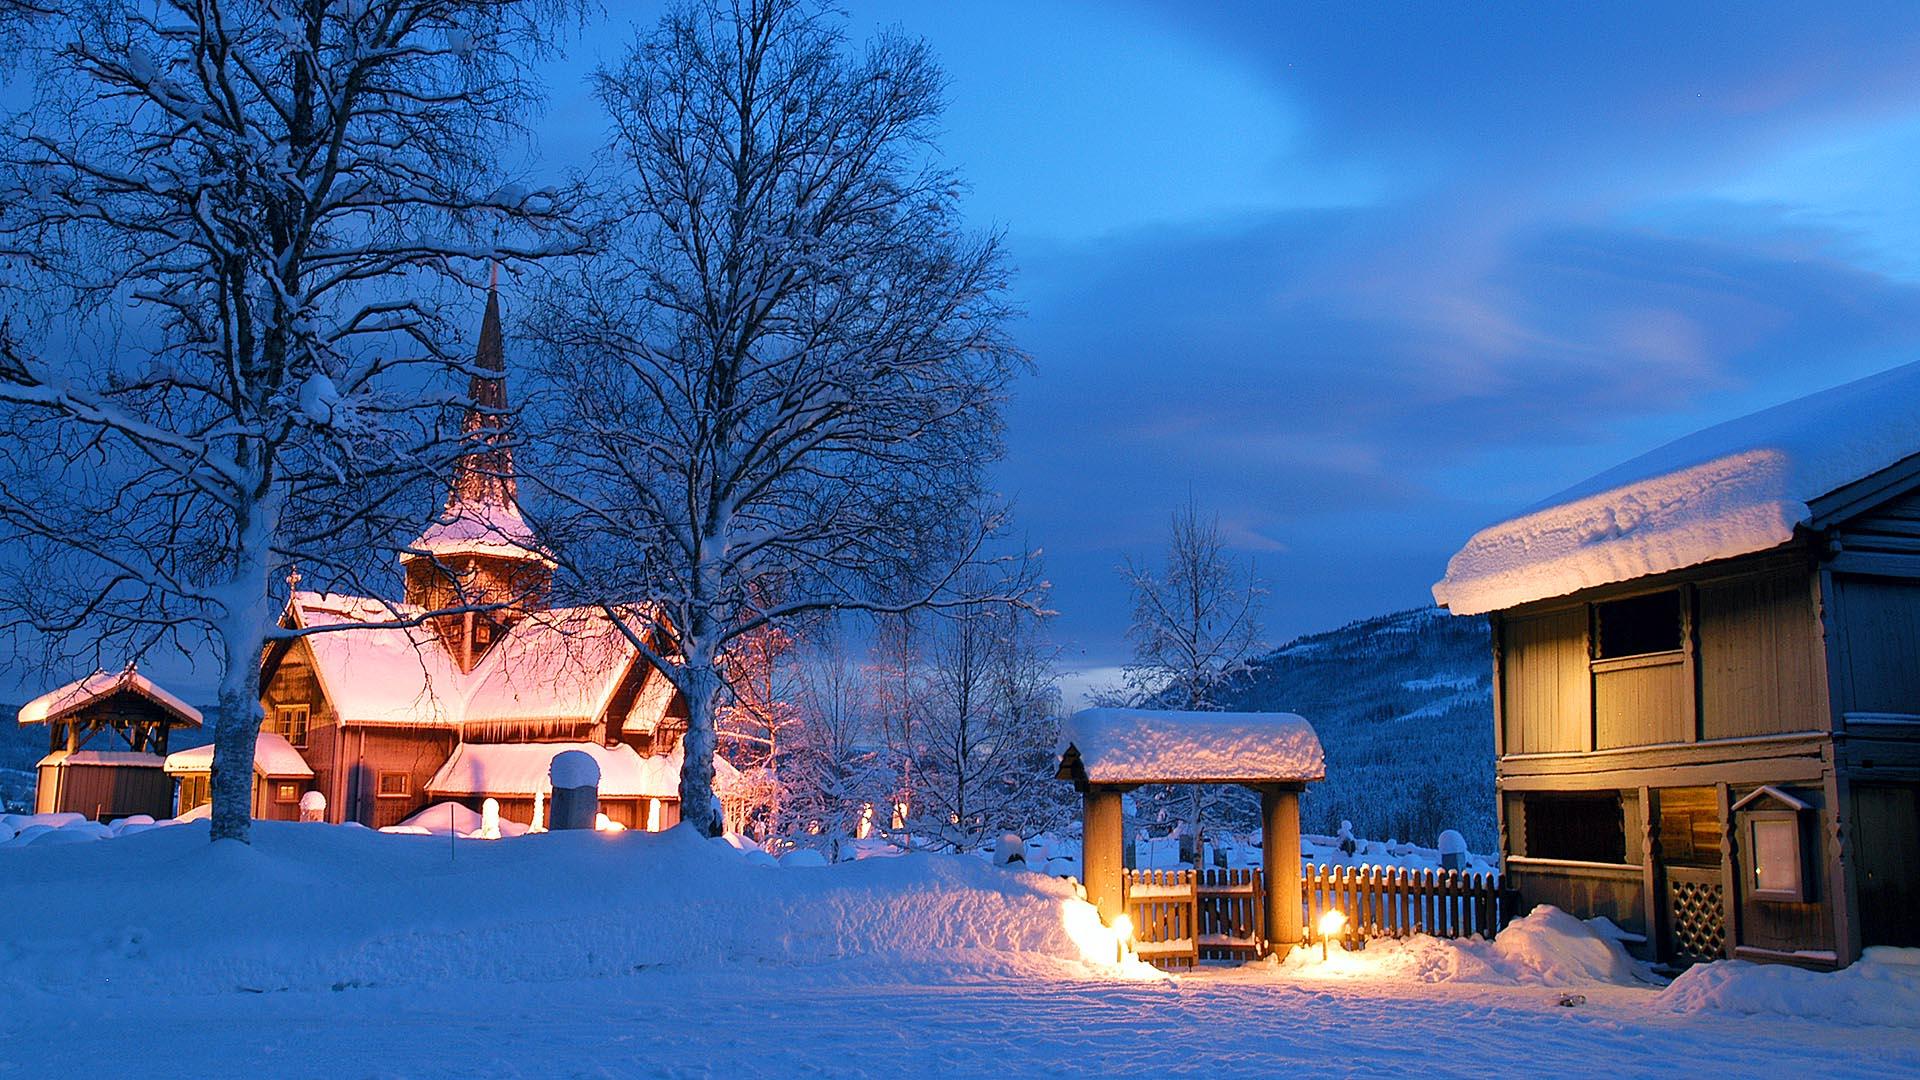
393	711
107	738
1707	684
280	777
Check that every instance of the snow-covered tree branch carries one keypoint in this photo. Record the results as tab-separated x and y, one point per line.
776	391
222	228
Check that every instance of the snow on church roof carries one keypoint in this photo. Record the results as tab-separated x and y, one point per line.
521	769
57	704
564	664
273	755
1154	746
1733	489
478	529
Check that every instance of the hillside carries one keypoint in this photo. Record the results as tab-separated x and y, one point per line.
1403	706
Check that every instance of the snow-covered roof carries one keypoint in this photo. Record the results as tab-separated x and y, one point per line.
521	769
1114	746
1733	489
136	758
468	528
650	704
564	664
58	704
273	756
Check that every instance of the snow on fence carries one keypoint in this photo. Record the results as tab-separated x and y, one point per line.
1184	916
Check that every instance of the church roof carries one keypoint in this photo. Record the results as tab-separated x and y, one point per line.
561	664
273	756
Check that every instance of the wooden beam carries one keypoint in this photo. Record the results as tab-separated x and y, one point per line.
1102	833
1280	859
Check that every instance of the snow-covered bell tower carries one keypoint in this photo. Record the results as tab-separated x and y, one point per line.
480	550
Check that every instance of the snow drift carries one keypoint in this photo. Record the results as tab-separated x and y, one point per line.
1882	988
315	906
1547	947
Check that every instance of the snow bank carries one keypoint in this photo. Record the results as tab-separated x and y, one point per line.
1548	947
1882	988
1119	745
385	910
1740	487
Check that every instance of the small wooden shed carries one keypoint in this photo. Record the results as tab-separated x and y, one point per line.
1108	752
106	742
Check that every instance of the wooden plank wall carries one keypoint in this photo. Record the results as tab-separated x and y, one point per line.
1640	705
1880	628
1545	683
1760	657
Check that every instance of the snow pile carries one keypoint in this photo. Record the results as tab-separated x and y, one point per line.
49	830
1740	487
1548	947
166	909
1122	745
1881	988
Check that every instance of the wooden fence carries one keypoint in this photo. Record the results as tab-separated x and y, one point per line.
1184	916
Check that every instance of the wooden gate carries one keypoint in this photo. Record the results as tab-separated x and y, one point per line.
1181	917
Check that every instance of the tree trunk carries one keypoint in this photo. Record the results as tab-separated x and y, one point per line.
243	632
697	749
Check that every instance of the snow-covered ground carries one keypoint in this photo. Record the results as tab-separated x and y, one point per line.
330	951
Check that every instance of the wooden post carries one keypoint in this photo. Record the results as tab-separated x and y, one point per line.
1101	838
1280	858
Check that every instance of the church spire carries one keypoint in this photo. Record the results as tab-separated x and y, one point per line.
483	477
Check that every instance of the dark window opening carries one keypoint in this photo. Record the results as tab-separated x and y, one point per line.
1637	625
1581	828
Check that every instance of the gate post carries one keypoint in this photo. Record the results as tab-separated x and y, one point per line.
1101	837
1280	860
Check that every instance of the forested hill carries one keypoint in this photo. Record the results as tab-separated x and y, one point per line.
1403	706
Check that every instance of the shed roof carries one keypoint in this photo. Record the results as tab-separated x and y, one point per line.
59	704
1149	746
1733	489
116	758
273	756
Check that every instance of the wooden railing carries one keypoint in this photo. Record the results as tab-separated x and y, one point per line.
1184	916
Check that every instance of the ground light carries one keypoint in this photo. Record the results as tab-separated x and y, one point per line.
1331	923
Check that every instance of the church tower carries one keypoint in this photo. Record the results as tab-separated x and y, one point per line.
480	550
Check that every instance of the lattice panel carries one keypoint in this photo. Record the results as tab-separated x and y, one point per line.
1696	920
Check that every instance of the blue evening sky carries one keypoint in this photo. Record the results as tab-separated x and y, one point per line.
1364	277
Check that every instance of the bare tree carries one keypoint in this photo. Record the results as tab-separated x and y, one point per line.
218	225
1196	622
983	747
788	367
834	772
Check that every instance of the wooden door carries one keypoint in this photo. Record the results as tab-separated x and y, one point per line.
1693	896
1886	852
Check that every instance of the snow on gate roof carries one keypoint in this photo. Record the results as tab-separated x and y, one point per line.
57	704
1733	489
1137	746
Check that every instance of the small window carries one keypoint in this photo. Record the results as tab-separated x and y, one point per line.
286	792
1773	847
394	785
1576	827
291	722
1637	625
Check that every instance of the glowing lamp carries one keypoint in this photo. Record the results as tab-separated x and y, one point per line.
1331	924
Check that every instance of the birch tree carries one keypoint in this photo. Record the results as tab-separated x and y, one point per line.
789	362
1196	625
983	747
221	226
